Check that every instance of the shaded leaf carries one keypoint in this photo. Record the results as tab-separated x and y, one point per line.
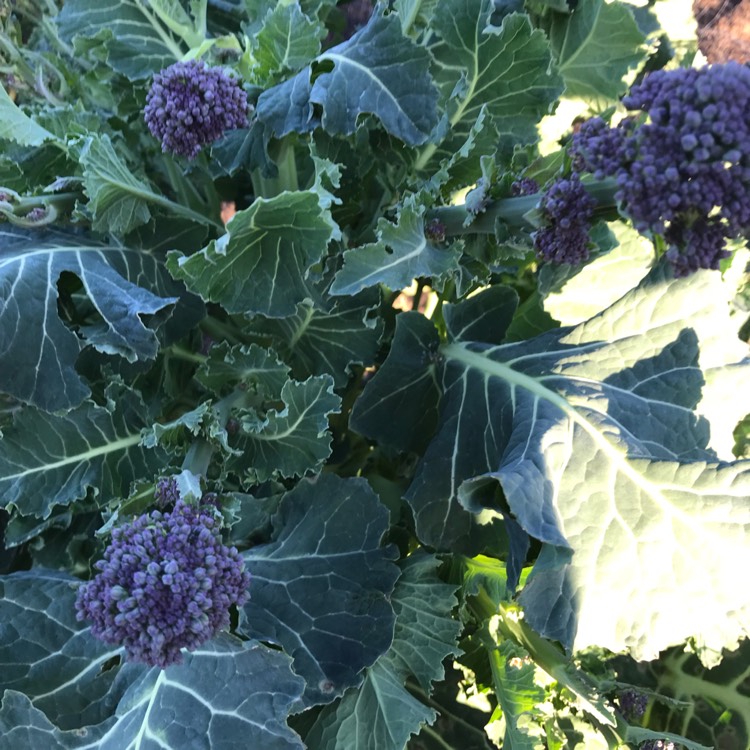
382	714
49	460
261	265
257	368
407	384
137	42
51	657
401	254
290	441
317	342
321	588
483	317
379	714
118	200
35	339
377	71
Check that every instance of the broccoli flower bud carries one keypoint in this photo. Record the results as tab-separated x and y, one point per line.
166	492
568	209
683	168
632	703
191	105
166	582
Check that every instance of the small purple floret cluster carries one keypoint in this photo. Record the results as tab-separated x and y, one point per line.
166	492
684	173
524	186
632	703
191	105
568	209
657	745
166	583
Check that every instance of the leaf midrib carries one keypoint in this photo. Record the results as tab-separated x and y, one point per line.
117	445
482	363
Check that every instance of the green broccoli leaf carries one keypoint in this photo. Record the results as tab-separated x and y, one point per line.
604	439
401	254
595	47
316	342
137	42
262	264
506	70
322	587
289	441
55	459
117	280
378	71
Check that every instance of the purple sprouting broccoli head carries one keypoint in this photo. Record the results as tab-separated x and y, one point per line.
657	745
683	165
191	105
166	582
567	209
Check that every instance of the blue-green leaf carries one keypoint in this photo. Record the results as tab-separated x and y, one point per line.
262	264
137	43
17	126
506	70
49	460
407	384
287	41
290	441
604	440
258	369
401	254
74	691
32	336
381	714
378	71
318	342
321	588
595	47
118	200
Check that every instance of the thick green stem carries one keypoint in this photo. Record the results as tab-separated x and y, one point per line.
180	210
179	352
504	620
512	211
408	20
269	187
198	457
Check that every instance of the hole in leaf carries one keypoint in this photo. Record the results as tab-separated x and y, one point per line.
110	664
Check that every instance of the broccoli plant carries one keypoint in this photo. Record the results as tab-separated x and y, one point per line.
374	377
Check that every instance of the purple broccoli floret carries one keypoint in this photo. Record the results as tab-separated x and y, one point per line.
524	186
191	105
632	703
166	492
568	209
166	583
684	172
657	745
